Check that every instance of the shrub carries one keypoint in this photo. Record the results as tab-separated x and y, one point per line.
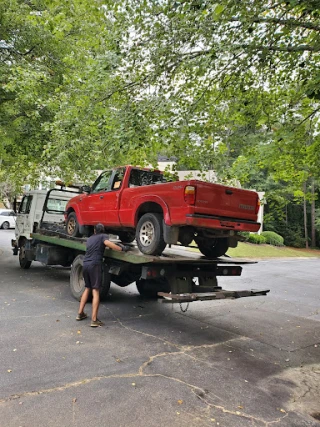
294	238
245	235
258	239
273	238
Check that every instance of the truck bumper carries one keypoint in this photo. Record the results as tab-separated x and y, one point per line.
205	296
205	221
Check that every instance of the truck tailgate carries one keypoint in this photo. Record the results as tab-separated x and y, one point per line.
219	200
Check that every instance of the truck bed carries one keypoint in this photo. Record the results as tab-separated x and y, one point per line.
173	255
176	275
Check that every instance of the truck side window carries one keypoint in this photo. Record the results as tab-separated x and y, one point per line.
118	178
139	178
102	183
25	204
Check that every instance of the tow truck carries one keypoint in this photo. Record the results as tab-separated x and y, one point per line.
176	276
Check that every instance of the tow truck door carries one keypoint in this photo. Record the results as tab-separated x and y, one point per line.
29	214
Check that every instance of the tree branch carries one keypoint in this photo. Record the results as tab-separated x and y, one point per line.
122	89
286	22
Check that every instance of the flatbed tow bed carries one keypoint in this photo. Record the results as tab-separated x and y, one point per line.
176	276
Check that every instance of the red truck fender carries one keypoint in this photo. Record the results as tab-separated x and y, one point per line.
138	206
74	208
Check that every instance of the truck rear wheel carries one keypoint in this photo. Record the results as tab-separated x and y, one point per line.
149	234
213	248
150	288
77	284
72	226
23	261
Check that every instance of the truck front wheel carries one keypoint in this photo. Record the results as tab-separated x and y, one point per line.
213	248
23	261
72	226
77	284
149	234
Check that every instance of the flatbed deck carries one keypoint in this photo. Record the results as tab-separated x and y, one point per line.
173	255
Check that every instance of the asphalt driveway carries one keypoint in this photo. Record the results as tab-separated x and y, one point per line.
248	362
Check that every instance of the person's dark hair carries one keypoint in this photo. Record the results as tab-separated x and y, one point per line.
99	228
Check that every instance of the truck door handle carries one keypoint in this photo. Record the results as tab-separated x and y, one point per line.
101	197
229	191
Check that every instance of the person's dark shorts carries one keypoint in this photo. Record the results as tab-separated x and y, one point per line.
92	275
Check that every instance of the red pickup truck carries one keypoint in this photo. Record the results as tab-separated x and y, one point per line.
138	203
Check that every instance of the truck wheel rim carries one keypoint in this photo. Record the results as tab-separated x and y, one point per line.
147	233
22	252
71	225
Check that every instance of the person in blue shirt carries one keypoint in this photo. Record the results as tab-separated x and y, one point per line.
92	271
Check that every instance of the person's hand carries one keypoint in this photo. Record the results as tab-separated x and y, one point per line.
125	248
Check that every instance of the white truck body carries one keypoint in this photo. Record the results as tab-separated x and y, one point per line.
31	210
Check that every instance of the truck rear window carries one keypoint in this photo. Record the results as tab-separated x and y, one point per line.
139	178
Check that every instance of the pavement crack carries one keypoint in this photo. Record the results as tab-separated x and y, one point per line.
240	414
142	333
199	392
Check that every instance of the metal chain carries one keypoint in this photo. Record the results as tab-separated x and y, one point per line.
186	309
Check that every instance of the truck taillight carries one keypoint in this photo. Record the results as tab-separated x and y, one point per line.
190	194
257	206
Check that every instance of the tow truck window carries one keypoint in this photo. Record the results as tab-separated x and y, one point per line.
25	205
56	205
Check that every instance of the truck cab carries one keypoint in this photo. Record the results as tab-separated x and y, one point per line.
40	207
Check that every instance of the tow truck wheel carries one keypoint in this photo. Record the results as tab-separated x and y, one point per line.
213	248
5	225
150	288
72	225
24	263
126	236
149	234
77	284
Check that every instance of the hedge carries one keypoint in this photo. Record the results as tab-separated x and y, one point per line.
257	239
273	238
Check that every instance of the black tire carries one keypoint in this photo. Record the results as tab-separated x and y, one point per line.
213	248
149	234
24	263
77	284
106	282
5	225
72	225
126	236
150	288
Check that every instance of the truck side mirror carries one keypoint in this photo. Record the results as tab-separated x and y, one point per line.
85	189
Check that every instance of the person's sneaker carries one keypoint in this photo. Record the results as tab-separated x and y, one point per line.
96	323
81	316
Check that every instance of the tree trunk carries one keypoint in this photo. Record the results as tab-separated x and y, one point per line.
313	216
305	215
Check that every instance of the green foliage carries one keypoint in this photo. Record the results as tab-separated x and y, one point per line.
245	235
293	236
272	238
258	239
231	86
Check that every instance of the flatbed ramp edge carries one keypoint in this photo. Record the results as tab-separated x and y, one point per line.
150	272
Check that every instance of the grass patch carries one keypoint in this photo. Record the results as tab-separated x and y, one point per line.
248	250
